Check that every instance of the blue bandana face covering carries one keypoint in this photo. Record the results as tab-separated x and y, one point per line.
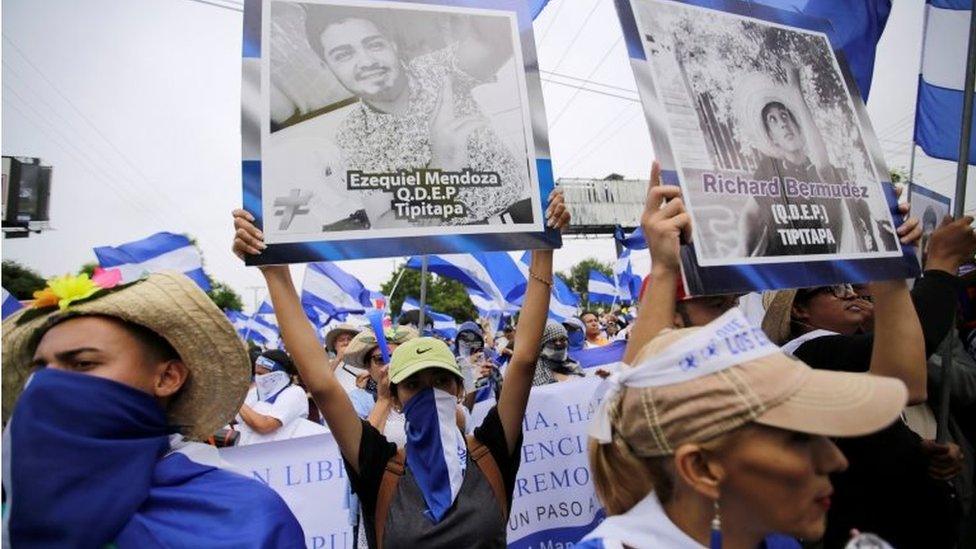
436	450
82	454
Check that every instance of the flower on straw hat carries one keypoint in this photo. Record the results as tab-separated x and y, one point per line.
65	290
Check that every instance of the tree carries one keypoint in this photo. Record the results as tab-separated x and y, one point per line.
444	295
21	281
88	269
579	275
224	296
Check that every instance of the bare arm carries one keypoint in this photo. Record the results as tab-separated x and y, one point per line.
260	423
303	345
899	345
528	333
663	225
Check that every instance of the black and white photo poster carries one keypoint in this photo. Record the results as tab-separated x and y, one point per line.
764	137
394	119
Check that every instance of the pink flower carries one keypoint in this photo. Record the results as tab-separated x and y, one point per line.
106	278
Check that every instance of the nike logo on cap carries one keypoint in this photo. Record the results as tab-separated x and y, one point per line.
422	351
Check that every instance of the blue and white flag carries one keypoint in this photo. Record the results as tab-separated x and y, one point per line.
563	301
159	252
855	28
436	450
237	319
938	114
265	308
444	324
10	304
494	274
259	330
600	288
633	241
333	291
409	304
597	357
628	284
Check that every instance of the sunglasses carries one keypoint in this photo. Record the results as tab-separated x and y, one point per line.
376	359
840	291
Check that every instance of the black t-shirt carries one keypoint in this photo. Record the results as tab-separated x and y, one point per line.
455	529
886	488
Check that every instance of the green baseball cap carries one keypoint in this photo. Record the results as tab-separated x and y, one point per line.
419	354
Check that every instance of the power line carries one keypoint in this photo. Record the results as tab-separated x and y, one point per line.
576	155
552	22
556	82
587	81
91	124
216	5
577	35
572	98
80	156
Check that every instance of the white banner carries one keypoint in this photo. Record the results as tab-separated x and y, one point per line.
309	475
554	504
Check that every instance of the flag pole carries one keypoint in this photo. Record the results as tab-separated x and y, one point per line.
962	173
423	293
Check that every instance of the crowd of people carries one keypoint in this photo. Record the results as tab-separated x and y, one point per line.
806	427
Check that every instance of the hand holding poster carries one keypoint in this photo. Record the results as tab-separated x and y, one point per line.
752	114
369	122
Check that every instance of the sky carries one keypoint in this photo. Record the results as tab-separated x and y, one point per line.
136	104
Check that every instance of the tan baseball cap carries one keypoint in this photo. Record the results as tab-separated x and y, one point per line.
771	388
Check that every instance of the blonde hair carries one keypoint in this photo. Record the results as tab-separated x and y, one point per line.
621	478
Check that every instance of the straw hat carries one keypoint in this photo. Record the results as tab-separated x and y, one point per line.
769	388
752	94
172	306
365	341
776	321
332	335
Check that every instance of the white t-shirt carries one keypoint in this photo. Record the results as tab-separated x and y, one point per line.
290	408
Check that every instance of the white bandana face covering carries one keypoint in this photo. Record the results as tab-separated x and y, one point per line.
269	385
727	341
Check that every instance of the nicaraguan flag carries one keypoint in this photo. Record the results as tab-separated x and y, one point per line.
444	324
10	304
628	284
494	274
331	290
600	288
938	114
410	304
597	357
260	331
436	450
159	252
266	308
633	241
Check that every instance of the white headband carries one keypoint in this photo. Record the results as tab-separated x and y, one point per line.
727	341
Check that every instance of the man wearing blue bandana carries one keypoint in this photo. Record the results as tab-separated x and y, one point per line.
102	398
441	489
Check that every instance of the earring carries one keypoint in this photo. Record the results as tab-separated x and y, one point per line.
715	541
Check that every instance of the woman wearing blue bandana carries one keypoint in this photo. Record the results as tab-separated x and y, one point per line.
104	393
448	490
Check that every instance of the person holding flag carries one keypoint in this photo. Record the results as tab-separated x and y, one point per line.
442	489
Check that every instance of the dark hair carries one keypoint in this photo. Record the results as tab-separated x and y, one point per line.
320	18
282	358
584	313
775	105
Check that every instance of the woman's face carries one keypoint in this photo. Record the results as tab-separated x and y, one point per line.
834	308
777	481
374	361
432	377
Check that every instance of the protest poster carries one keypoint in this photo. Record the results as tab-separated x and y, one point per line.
376	128
930	208
554	504
758	120
309	475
